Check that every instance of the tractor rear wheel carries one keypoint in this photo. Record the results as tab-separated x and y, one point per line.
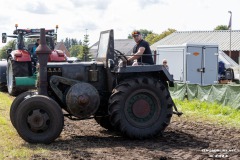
16	103
39	119
140	108
3	82
15	69
3	87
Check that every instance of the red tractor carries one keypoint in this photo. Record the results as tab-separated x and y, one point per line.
21	61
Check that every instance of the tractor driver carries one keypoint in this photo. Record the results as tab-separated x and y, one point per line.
33	51
34	58
142	54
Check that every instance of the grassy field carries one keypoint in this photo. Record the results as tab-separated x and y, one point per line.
209	112
13	147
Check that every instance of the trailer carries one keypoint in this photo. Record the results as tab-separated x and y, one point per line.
191	63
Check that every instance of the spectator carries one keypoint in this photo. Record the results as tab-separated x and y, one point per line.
221	70
165	64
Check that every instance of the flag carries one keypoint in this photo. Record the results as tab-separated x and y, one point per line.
230	23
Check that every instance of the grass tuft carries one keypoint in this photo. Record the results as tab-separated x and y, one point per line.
212	112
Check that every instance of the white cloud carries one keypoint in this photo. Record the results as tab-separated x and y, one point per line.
37	8
75	16
96	4
145	3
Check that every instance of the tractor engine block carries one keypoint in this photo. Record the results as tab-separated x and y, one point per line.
81	99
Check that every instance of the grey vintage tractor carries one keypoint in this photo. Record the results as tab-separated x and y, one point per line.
133	100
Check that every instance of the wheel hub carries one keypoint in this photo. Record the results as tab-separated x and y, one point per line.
38	120
141	108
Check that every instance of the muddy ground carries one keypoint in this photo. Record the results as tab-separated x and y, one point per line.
182	140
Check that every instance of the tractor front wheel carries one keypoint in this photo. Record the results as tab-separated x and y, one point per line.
39	119
20	98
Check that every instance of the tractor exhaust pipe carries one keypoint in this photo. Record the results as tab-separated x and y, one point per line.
42	52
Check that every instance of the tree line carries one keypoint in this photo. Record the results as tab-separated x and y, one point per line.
77	48
80	49
151	37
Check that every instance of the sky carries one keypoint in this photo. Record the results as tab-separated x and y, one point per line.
76	18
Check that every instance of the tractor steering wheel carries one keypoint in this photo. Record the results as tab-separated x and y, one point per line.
120	55
122	59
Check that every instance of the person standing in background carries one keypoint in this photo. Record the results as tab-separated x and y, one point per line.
165	64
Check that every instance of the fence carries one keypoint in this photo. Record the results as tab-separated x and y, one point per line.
224	94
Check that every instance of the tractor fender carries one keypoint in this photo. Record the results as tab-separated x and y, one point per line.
57	56
148	69
168	76
20	56
3	68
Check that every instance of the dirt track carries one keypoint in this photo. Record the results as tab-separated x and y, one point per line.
181	140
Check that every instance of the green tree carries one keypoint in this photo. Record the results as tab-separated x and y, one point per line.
87	56
221	27
144	33
69	42
3	51
76	51
153	37
80	42
30	40
74	42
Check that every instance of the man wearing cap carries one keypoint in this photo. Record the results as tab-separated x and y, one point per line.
141	51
